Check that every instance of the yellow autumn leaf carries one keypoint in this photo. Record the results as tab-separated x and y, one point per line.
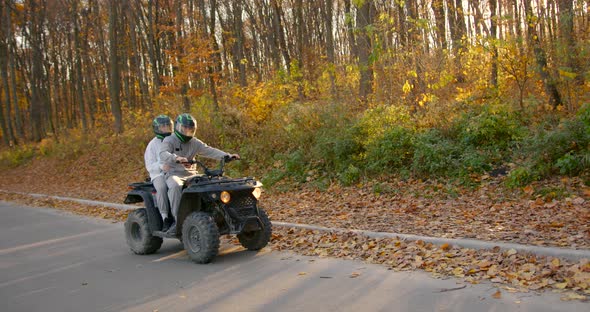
497	294
407	87
459	272
560	285
573	296
511	252
445	246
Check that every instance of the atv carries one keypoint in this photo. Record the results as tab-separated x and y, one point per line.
211	205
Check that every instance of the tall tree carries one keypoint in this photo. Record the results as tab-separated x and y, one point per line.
364	18
493	39
458	31
238	45
279	32
541	57
38	107
439	17
567	42
7	131
78	63
327	14
115	75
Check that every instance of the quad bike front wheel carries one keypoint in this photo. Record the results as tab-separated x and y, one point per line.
256	240
138	234
200	237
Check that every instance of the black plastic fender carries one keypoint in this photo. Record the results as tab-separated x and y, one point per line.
154	217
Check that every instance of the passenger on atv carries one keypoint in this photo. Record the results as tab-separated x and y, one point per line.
175	152
162	126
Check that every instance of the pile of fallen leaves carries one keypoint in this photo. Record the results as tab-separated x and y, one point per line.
516	271
491	212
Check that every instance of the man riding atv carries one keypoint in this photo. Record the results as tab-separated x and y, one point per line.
205	206
175	152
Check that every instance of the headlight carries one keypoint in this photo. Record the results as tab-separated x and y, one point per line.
225	197
257	192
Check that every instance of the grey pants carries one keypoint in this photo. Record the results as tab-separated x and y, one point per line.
162	196
175	183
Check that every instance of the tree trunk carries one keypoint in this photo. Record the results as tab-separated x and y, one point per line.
280	34
441	29
38	103
493	30
78	63
567	42
216	68
364	18
541	58
299	26
152	47
458	30
134	58
115	81
350	31
328	8
5	111
238	46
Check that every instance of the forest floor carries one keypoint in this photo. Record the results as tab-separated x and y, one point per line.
550	213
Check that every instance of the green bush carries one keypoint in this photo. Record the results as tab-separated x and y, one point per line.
287	166
520	177
435	155
572	164
475	160
490	128
394	151
374	123
349	176
17	156
336	147
560	149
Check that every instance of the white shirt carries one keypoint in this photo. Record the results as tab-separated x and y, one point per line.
152	158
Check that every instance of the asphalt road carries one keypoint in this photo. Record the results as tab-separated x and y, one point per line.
54	261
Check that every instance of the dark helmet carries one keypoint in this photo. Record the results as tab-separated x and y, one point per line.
162	126
185	127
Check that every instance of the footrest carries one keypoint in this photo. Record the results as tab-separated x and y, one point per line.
163	234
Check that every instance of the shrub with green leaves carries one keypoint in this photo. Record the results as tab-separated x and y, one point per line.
561	149
392	152
435	155
520	177
498	128
349	176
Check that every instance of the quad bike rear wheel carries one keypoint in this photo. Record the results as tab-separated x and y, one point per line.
256	240
200	237
138	235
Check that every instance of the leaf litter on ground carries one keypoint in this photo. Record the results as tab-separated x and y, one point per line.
489	212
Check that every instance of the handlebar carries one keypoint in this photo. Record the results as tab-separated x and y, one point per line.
211	172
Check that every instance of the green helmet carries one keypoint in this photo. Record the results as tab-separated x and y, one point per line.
162	126
185	127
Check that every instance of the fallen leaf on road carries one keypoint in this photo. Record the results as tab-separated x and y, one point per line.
497	294
573	296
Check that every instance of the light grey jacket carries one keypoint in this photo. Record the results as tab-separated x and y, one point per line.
172	147
152	158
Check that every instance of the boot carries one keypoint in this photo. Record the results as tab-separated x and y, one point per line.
172	229
167	223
